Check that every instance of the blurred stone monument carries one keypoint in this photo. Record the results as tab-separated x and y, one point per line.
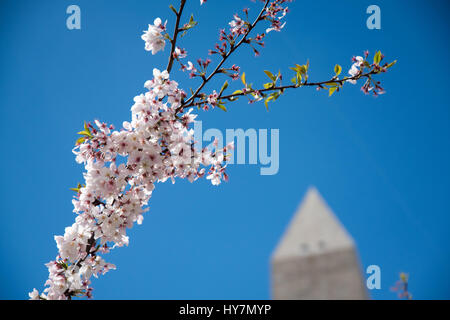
316	258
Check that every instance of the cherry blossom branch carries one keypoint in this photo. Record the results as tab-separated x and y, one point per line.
233	47
292	86
123	166
275	87
176	30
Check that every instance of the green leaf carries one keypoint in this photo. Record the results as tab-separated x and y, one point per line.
173	9
273	96
270	75
192	23
331	91
77	189
302	69
377	58
243	78
80	140
294	80
302	72
225	85
337	69
268	85
85	133
237	92
221	106
391	64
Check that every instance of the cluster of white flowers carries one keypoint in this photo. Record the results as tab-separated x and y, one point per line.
179	53
237	25
212	98
153	37
355	69
275	12
122	168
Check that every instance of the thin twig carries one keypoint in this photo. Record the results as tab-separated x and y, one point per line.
225	57
173	41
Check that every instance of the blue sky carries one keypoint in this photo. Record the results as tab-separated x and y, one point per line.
381	164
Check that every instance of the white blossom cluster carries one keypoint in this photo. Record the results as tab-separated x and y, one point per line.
355	69
153	36
122	168
275	12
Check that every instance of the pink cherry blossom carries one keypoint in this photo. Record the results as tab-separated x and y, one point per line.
155	146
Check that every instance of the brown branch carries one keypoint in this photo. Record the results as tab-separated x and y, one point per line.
292	86
173	41
189	101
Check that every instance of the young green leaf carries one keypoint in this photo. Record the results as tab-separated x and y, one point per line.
77	189
331	91
273	96
221	106
173	9
391	64
192	23
85	133
337	69
225	85
80	141
377	58
270	75
299	78
243	78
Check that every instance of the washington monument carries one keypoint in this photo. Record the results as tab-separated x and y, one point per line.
316	258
